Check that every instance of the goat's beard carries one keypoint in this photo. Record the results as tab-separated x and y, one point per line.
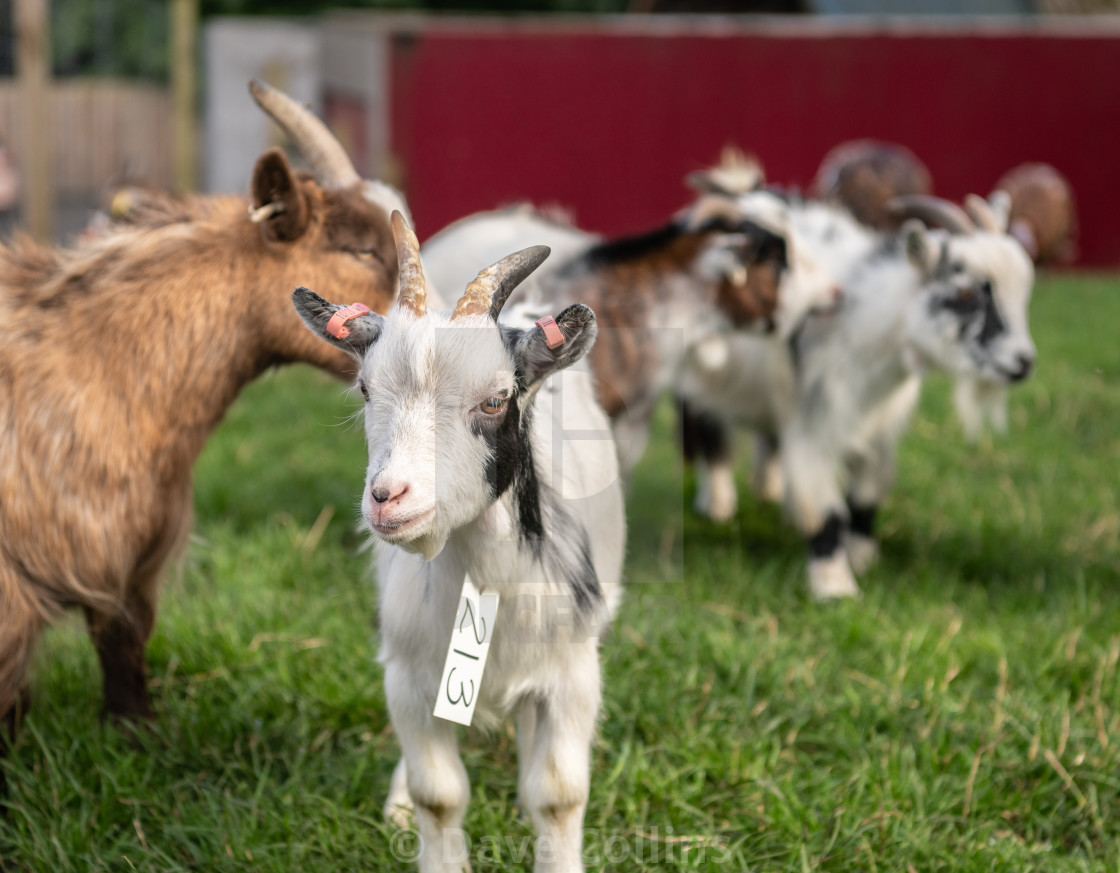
429	543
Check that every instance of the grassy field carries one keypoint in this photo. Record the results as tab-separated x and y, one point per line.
964	715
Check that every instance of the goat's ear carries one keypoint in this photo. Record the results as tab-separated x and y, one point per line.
362	331
921	251
1024	233
279	204
535	360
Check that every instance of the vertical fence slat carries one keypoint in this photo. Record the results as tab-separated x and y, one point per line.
99	128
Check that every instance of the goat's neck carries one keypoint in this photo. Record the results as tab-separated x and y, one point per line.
176	324
871	343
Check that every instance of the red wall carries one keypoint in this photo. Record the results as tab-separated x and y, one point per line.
608	122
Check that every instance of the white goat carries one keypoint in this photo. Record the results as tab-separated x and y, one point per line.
718	266
834	401
470	476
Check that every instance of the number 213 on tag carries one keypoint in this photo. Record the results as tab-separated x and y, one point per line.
466	655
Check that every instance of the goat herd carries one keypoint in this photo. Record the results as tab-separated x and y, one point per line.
118	357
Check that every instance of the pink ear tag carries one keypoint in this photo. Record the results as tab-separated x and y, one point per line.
337	328
552	335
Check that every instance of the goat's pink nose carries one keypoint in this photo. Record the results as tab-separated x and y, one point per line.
837	294
388	493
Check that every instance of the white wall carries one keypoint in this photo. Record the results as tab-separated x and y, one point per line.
283	53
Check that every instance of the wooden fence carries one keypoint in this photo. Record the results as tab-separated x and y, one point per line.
100	129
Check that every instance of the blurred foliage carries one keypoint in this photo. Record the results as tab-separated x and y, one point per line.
110	38
130	37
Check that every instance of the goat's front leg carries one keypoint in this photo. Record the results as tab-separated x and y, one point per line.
766	472
870	478
437	784
555	744
871	473
707	443
820	513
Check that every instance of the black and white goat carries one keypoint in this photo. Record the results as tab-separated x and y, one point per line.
720	265
470	476
829	407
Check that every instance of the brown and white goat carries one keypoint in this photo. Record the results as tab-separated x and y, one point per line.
719	265
117	360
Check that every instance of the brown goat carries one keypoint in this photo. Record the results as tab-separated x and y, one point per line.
864	175
1043	214
118	359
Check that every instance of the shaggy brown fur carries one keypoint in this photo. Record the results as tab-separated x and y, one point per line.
1043	213
117	360
864	175
625	281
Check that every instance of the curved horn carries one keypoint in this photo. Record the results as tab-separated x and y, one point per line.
488	292
933	211
327	159
414	288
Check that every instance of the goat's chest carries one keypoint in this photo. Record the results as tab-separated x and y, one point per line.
536	633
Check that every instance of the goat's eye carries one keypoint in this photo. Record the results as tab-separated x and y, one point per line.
363	389
365	254
492	405
985	288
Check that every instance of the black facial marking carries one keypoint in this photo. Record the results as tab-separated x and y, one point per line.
862	518
508	446
565	549
993	322
702	435
769	246
825	542
978	305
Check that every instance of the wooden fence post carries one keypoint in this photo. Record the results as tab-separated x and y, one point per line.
33	60
184	75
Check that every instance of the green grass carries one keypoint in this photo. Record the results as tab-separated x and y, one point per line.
964	715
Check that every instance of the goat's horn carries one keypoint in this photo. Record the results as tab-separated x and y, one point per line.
982	214
414	289
933	211
488	292
327	159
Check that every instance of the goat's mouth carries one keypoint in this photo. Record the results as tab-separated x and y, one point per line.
397	529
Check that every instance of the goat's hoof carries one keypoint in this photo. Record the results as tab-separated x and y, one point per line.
400	814
831	578
398	805
863	552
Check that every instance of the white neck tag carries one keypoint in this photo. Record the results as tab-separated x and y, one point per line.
466	654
